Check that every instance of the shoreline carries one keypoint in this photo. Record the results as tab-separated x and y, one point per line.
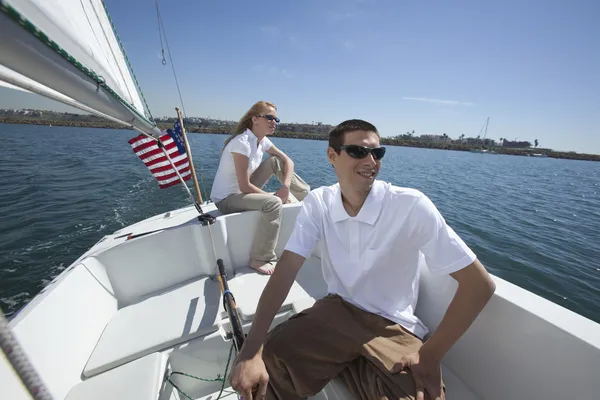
546	153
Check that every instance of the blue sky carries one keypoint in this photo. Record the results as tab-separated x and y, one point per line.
433	66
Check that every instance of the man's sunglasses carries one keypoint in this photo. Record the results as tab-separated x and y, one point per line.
356	151
269	117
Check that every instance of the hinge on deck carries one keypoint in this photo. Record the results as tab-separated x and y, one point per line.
204	218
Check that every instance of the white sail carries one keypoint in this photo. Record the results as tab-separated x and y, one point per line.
83	30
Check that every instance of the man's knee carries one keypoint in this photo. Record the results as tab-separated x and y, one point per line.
277	358
277	350
270	348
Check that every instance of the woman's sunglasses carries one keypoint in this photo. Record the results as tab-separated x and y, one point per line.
269	117
356	151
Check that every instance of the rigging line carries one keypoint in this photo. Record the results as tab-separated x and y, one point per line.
161	25
202	187
160	35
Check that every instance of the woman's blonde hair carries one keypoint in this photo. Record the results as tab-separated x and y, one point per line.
246	121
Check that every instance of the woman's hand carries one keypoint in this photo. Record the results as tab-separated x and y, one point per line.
284	194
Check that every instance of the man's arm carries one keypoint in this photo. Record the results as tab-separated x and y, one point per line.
270	302
445	253
475	288
241	171
288	164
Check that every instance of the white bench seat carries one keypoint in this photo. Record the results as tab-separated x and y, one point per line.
138	380
191	310
159	322
247	287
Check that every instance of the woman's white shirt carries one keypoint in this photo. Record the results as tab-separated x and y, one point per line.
246	143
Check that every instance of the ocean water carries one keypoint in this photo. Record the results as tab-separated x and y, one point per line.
532	221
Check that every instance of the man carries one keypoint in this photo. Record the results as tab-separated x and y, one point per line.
374	236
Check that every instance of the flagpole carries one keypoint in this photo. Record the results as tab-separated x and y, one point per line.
189	154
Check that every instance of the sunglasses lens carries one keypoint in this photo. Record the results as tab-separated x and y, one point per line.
269	117
378	153
361	152
356	151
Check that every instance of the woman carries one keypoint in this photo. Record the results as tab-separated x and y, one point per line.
242	174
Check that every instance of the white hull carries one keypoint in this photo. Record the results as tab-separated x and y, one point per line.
115	322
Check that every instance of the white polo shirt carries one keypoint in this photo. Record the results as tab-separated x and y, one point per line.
372	260
245	143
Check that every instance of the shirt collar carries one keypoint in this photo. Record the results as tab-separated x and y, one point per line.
369	212
251	134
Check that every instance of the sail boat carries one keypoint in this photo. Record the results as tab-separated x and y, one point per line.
483	149
140	314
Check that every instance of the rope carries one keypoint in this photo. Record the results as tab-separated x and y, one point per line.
139	88
161	26
18	359
99	80
217	379
160	36
203	188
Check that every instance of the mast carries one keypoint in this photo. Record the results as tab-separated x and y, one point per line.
486	127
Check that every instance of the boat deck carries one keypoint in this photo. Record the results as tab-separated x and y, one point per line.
129	312
114	373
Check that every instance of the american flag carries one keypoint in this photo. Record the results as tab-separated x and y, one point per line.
147	150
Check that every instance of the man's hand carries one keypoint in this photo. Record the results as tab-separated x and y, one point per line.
284	194
426	372
248	374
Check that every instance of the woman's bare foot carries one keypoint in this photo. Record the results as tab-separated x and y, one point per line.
264	267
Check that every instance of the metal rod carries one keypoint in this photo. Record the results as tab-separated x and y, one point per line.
24	53
231	308
34	87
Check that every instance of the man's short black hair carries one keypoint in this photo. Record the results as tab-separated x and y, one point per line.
336	135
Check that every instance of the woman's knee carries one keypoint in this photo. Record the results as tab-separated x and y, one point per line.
276	160
303	192
272	204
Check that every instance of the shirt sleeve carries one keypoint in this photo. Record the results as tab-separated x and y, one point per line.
445	252
307	232
266	143
238	145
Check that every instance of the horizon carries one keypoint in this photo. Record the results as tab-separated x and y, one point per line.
531	68
162	118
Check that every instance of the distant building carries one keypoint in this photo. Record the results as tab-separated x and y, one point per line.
430	137
516	145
